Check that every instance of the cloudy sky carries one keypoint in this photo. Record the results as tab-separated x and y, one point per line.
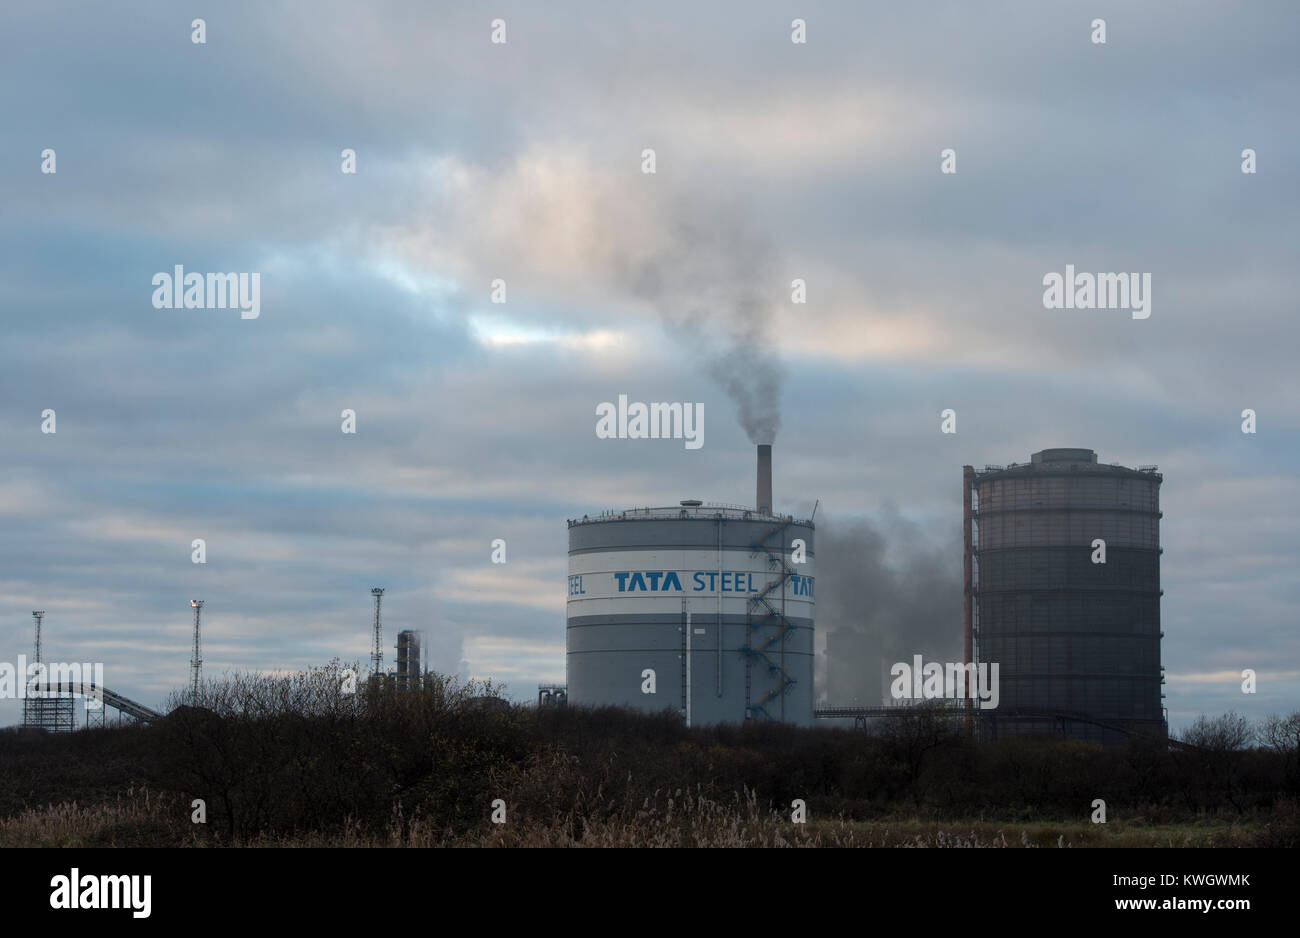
523	161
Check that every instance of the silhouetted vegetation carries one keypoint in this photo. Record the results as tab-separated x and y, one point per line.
298	759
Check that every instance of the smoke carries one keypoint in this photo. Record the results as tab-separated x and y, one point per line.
709	279
583	233
885	591
591	235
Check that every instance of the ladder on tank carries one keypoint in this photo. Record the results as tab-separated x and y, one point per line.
763	614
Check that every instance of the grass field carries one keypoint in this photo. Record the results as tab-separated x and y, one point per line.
138	819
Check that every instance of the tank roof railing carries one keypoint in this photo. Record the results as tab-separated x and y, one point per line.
1074	467
707	511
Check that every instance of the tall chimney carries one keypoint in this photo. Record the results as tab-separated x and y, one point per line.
764	478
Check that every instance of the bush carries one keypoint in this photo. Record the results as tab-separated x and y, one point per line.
297	759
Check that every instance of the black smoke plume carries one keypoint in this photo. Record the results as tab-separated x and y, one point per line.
885	590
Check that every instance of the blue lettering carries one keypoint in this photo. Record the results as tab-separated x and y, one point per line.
713	582
622	581
803	585
699	582
636	578
671	581
654	576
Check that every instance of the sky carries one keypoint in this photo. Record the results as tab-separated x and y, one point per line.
523	161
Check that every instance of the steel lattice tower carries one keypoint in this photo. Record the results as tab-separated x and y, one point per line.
38	616
50	710
377	656
196	663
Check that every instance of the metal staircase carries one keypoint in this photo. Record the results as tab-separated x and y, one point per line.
764	615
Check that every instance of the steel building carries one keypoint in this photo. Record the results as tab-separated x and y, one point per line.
1077	641
408	660
715	600
552	695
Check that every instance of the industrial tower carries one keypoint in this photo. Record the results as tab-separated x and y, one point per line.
53	714
408	660
1061	573
721	609
377	656
196	663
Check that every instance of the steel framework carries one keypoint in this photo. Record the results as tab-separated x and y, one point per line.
377	656
196	662
53	713
762	614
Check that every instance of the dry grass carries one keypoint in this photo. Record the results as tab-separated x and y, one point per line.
1117	833
136	818
673	819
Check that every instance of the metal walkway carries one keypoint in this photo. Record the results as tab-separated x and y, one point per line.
1062	718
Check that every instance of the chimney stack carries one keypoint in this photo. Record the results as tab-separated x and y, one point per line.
764	478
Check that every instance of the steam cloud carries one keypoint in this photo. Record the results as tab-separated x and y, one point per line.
884	591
